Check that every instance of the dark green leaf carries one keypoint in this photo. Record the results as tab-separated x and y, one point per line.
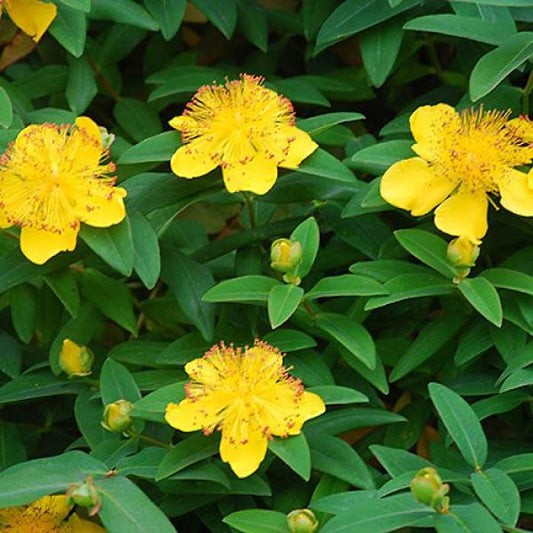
294	452
484	298
283	300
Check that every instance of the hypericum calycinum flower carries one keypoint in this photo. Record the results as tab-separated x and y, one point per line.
248	396
51	179
32	16
463	158
75	360
245	128
50	514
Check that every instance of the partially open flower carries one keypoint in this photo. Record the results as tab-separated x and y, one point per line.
249	397
243	127
285	255
52	178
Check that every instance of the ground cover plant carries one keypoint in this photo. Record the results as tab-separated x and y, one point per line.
266	266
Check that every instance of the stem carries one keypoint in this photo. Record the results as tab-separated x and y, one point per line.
103	80
249	201
153	441
526	93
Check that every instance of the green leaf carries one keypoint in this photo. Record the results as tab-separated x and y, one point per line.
222	13
258	521
114	245
352	335
253	23
63	284
126	12
473	342
184	349
499	494
189	281
522	377
430	340
168	14
345	285
308	235
12	449
125	507
336	395
397	462
320	123
466	519
379	49
501	403
24	311
283	300
512	280
294	452
137	118
314	12
289	340
186	453
111	297
69	29
81	85
407	286
146	254
427	247
353	16
82	5
6	109
472	28
462	424
116	383
483	297
337	458
495	66
243	289
380	515
323	164
377	158
26	482
153	406
11	360
160	147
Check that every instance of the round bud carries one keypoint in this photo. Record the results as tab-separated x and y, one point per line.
117	416
285	255
302	521
75	360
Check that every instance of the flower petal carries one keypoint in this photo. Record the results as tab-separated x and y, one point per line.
77	525
464	213
194	159
434	128
300	146
411	184
49	510
103	208
32	16
257	175
191	415
40	245
516	194
243	446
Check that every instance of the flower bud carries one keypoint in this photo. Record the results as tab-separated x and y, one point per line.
84	495
75	360
428	488
302	521
117	416
285	255
462	254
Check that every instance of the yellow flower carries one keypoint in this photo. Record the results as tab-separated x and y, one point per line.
75	360
462	159
245	128
50	514
51	179
32	16
249	397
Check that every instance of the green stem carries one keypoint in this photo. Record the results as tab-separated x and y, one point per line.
153	441
526	92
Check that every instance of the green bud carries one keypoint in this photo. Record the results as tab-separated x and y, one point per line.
117	416
75	360
428	488
285	255
84	495
462	254
302	521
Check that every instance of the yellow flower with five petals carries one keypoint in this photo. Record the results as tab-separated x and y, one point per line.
50	514
462	159
51	179
248	396
243	127
33	17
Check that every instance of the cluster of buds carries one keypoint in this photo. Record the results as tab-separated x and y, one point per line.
117	416
302	521
85	495
462	254
286	257
75	360
428	488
